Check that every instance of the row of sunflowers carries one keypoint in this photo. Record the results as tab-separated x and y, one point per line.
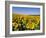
25	22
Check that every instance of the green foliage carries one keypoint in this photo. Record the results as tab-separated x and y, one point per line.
25	22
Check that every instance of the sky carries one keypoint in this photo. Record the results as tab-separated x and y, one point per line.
26	10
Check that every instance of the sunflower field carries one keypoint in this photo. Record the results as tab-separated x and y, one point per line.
25	22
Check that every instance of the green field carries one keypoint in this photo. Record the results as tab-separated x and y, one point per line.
25	22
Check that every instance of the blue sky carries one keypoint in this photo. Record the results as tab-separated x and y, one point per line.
26	10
